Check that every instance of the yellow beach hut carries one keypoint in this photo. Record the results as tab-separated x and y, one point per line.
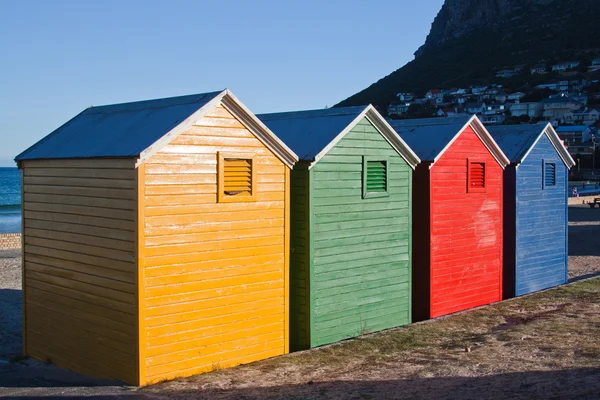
156	240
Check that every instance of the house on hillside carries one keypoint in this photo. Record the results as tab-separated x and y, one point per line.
575	135
398	109
506	73
535	208
589	116
557	107
490	93
479	89
577	85
515	96
493	119
549	86
533	110
475	108
460	92
564	66
562	86
351	202
457	215
454	112
404	96
495	108
433	94
596	61
156	240
538	69
501	97
593	68
579	97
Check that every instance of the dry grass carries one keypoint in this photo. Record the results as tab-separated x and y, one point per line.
540	346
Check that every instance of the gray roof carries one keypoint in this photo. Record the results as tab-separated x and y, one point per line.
120	130
575	128
307	133
429	136
516	140
558	99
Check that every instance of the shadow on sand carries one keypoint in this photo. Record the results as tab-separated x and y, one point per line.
581	383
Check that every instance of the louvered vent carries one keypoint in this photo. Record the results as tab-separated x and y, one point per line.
550	174
237	177
376	176
476	175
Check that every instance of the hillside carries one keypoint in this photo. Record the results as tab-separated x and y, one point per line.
470	40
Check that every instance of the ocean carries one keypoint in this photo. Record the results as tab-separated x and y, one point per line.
10	200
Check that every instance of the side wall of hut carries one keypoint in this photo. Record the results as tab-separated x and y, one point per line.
542	223
300	258
466	229
79	268
215	273
361	277
421	251
509	240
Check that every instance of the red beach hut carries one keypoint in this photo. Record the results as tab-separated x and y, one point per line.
457	215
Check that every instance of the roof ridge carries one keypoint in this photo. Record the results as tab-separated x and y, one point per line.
151	103
304	114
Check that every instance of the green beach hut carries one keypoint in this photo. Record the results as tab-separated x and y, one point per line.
350	261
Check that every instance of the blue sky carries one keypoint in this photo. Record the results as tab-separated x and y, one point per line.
58	57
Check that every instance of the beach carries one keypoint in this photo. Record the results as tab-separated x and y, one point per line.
10	200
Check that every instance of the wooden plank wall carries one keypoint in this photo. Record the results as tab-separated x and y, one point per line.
541	227
299	259
466	230
361	274
215	273
79	265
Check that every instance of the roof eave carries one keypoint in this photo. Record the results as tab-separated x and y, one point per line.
488	141
388	133
559	146
339	137
239	110
392	137
183	126
260	130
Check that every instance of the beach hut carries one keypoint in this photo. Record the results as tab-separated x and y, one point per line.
156	240
351	217
535	207
457	215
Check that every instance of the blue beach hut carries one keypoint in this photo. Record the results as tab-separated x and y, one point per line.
535	207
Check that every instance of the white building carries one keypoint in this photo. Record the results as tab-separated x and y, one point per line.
404	96
493	119
588	117
574	135
398	109
516	96
556	108
565	66
538	69
533	110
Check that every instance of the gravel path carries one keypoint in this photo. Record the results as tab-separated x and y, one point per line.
584	242
26	379
10	303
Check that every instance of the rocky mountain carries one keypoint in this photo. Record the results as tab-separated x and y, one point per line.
470	40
